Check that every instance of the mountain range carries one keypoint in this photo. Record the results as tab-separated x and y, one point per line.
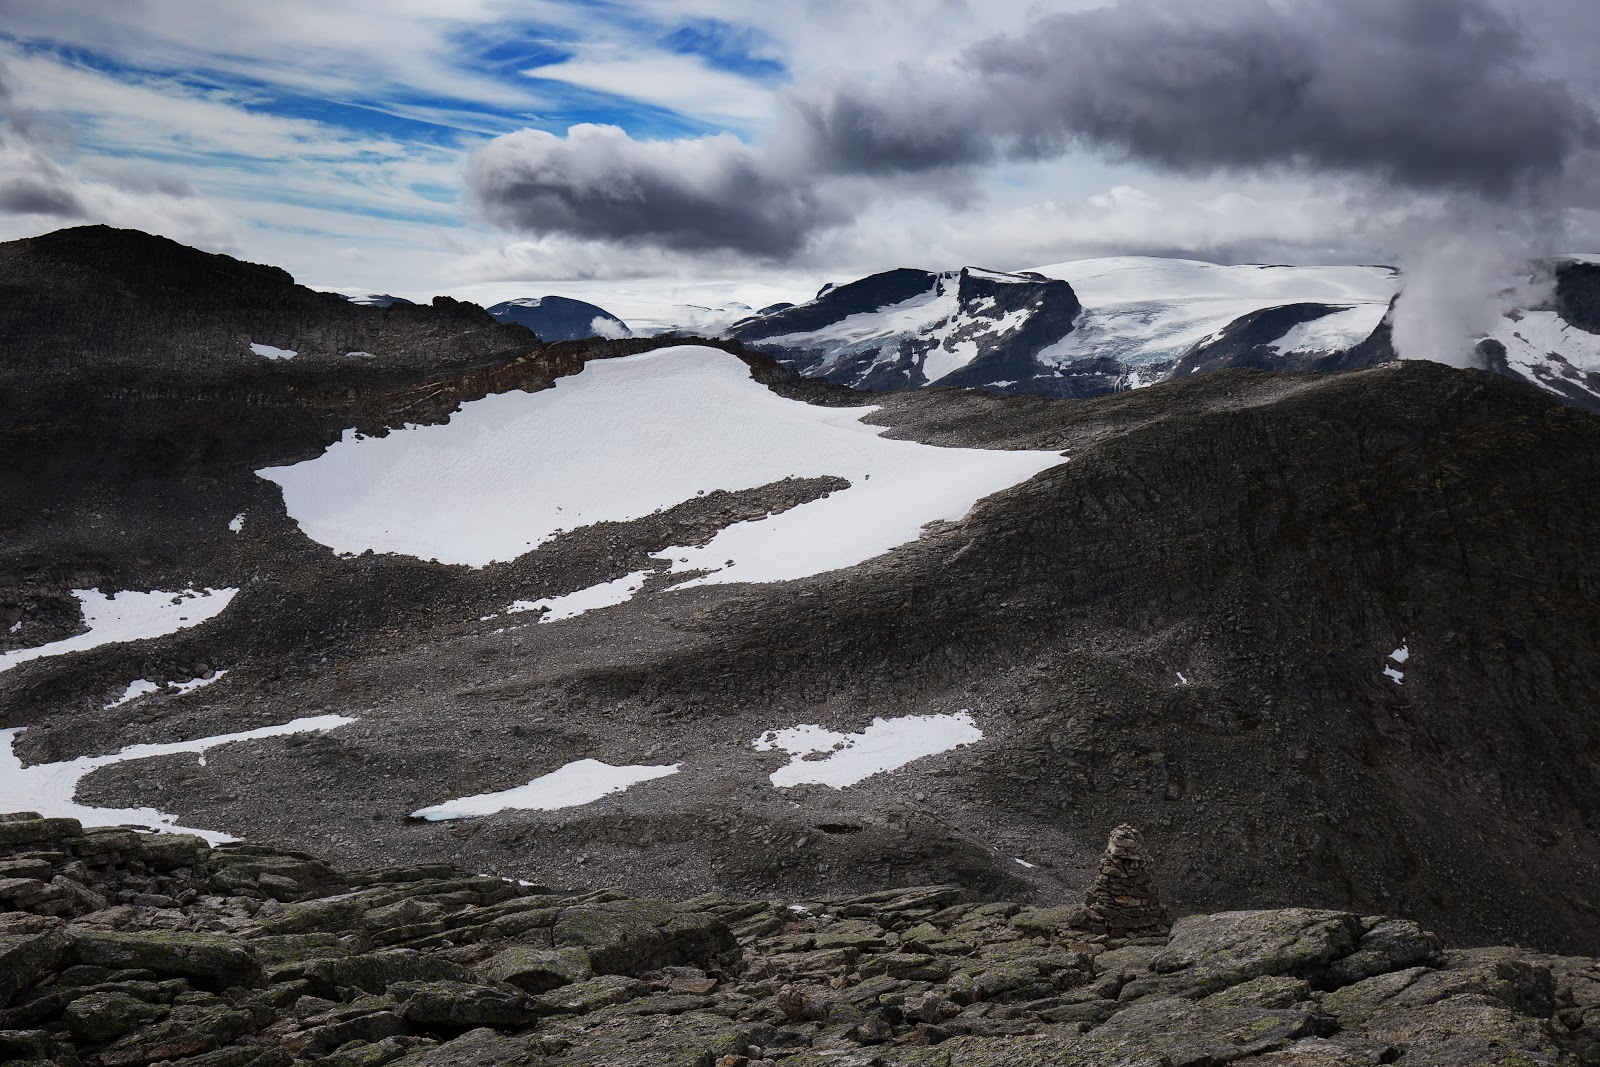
1093	327
407	583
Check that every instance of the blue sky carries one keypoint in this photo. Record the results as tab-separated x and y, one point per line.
338	138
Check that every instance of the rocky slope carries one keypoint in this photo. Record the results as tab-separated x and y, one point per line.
119	949
1195	623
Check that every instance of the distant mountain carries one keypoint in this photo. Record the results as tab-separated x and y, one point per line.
1099	326
907	328
1077	329
560	318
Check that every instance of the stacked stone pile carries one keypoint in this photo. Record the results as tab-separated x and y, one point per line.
1123	901
164	952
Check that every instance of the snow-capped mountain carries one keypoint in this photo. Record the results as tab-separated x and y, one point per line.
1556	347
1084	328
907	328
560	318
1076	329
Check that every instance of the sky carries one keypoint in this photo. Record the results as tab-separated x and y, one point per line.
749	150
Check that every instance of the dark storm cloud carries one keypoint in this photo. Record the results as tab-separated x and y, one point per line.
1441	95
37	193
1432	93
597	183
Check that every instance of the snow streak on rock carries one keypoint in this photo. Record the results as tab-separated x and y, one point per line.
50	788
273	353
128	617
886	745
577	783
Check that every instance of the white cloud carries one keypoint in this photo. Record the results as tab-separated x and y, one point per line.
679	83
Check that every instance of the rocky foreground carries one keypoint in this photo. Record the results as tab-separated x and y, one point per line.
124	949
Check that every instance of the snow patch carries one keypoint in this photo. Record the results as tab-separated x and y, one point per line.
604	595
1023	863
273	353
1183	679
236	524
49	788
135	690
128	617
144	687
1533	340
361	355
575	784
511	471
1333	333
1399	655
886	745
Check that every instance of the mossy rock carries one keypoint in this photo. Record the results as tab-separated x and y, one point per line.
462	1005
101	1017
25	958
375	972
538	970
209	961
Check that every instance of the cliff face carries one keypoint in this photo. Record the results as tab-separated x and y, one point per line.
1195	623
125	949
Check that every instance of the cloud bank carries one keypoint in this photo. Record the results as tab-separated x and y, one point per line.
1436	96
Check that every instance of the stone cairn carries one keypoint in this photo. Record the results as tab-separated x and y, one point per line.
1123	901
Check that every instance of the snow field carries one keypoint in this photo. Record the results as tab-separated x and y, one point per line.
273	353
128	617
575	784
603	595
1532	336
625	438
1141	310
50	788
885	745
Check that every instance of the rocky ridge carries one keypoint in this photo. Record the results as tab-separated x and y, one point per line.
122	949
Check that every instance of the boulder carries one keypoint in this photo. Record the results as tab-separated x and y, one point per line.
375	972
209	961
462	1005
538	970
1211	952
25	958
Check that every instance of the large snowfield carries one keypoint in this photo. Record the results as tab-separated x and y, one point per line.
623	439
1140	310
